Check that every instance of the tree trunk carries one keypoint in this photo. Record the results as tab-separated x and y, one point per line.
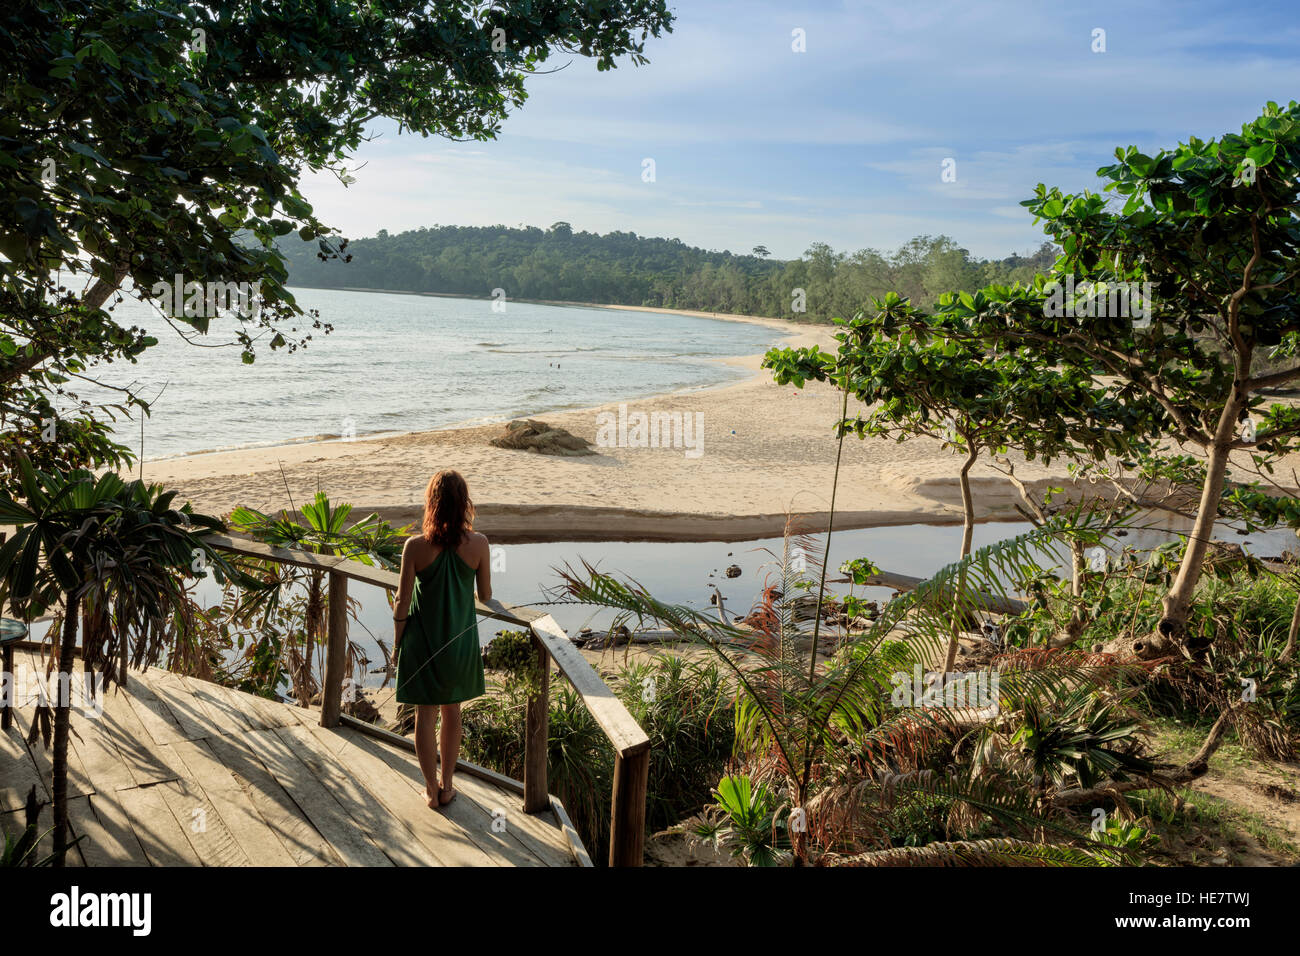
1178	602
1289	650
799	837
1076	568
967	535
62	726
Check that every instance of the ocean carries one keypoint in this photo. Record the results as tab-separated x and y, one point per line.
402	363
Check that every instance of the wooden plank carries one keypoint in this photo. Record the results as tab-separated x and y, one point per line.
108	839
270	713
121	725
202	825
544	841
103	762
333	739
156	827
326	814
249	712
13	824
153	714
18	773
536	831
302	716
191	717
509	613
622	730
28	671
232	802
310	718
578	848
500	781
388	830
250	547
302	841
32	686
443	839
355	570
78	780
219	709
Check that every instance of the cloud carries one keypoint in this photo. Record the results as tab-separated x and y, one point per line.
756	143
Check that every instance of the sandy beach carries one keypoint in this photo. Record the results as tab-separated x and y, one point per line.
767	451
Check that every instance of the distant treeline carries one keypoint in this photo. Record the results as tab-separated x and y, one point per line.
623	268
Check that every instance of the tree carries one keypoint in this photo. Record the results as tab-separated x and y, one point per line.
761	252
1213	227
142	141
118	550
919	374
645	271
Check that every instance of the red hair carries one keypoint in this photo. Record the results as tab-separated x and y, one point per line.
448	510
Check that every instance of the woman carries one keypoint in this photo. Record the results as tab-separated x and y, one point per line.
435	636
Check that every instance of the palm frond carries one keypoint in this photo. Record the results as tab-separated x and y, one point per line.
995	852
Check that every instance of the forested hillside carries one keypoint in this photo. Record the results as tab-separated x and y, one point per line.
626	269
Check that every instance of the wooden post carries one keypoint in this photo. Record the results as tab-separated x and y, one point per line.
627	826
10	700
536	736
336	651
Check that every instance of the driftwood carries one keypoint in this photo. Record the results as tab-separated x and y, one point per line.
530	435
602	640
993	603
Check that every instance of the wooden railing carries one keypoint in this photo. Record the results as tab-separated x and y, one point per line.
630	743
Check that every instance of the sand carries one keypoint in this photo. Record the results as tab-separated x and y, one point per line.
767	452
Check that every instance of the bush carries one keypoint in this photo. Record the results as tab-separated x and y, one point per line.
685	708
1238	625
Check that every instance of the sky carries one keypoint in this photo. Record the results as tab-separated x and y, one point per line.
755	143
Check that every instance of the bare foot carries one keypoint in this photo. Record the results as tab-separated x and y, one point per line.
431	801
446	796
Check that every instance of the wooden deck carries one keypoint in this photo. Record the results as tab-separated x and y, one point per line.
182	772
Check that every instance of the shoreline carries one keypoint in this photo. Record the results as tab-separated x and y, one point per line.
721	316
790	333
766	451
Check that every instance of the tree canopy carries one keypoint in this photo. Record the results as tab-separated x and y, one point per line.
622	268
144	141
1212	227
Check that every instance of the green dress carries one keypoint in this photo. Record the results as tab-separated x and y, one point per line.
439	661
